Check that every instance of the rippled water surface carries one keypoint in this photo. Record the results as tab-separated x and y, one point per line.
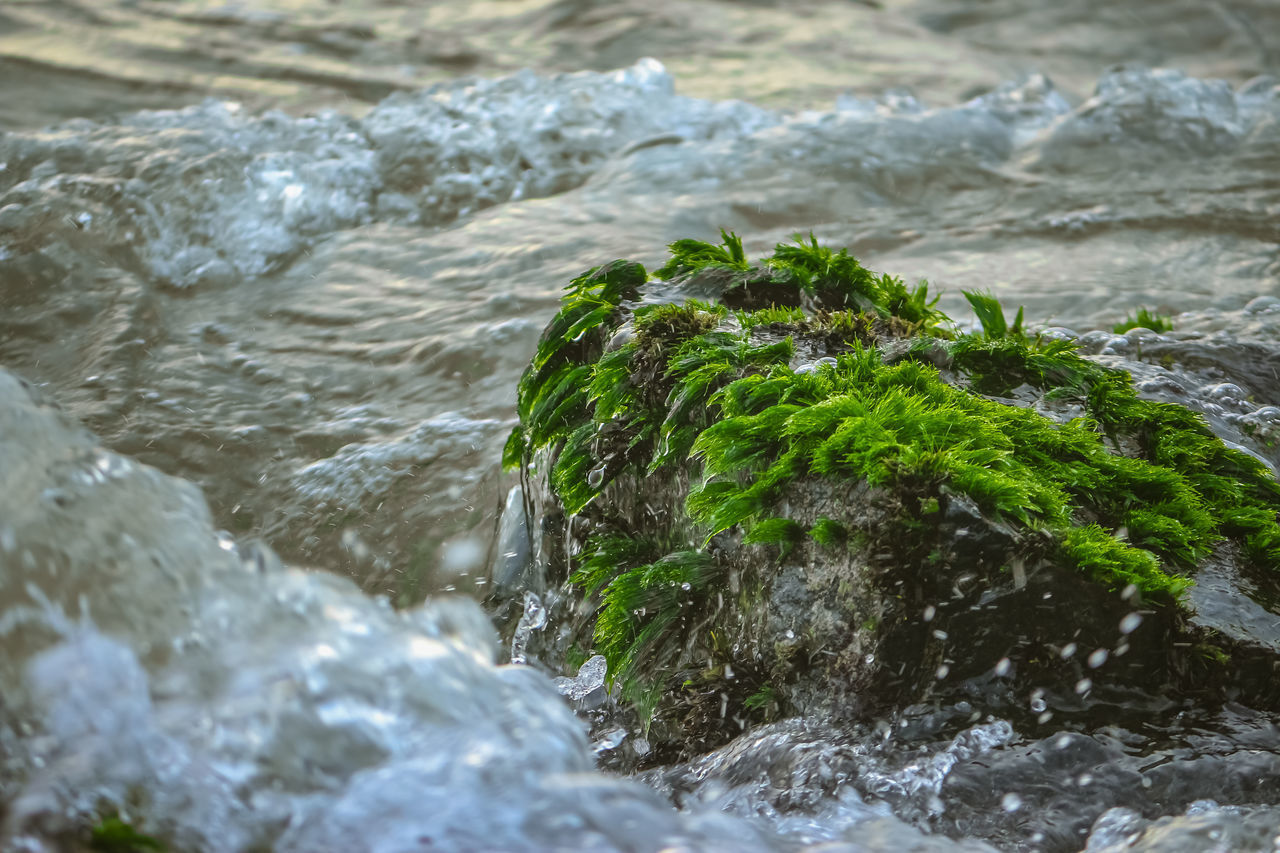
306	285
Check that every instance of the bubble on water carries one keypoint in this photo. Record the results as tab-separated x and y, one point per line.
1037	703
1011	802
1098	657
1068	651
1130	623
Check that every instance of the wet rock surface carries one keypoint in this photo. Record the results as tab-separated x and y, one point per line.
843	590
831	617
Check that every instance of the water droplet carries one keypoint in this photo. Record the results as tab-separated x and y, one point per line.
686	586
1085	780
1011	802
1098	657
929	613
1130	623
1083	686
942	671
1128	592
1003	667
941	635
1037	701
790	635
533	619
1068	651
1045	717
869	659
595	477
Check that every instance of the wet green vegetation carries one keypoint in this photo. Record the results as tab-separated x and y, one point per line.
1144	319
113	835
727	402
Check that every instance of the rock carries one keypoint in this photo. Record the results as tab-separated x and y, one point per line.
810	495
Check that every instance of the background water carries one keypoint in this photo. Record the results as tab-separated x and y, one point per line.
317	315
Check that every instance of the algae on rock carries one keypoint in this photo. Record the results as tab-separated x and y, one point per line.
788	485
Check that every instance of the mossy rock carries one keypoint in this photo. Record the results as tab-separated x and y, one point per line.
804	491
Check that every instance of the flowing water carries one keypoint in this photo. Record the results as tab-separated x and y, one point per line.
311	294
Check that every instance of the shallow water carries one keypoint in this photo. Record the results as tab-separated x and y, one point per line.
319	320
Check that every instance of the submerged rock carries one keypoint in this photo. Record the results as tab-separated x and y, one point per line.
809	494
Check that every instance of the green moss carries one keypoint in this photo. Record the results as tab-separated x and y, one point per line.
694	388
693	255
902	427
772	316
1144	319
1210	653
763	699
783	532
990	314
639	612
113	835
551	396
997	365
1192	488
829	533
